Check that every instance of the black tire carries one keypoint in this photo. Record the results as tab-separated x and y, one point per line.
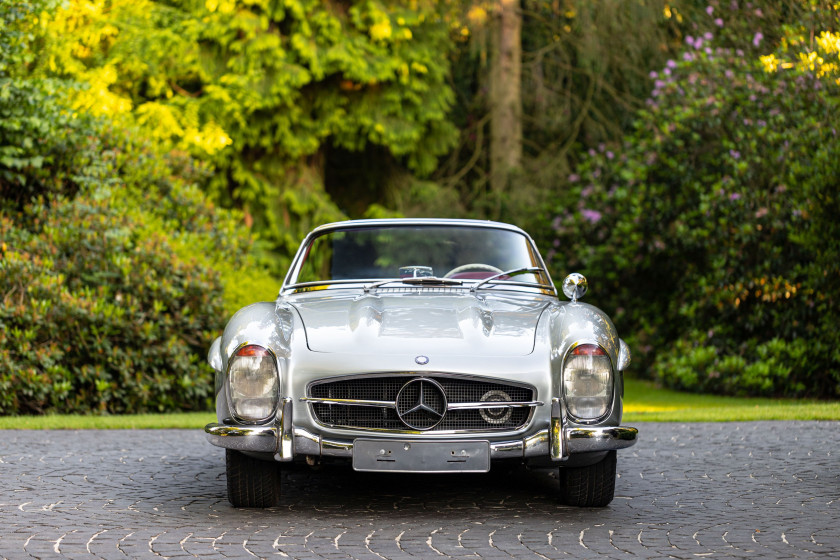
592	486
251	483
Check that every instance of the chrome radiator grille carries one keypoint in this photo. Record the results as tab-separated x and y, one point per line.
464	396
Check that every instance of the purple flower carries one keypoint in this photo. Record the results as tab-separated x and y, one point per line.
739	53
574	178
735	155
689	40
710	9
587	191
708	35
671	63
729	74
688	57
719	22
757	38
667	71
734	196
610	155
592	216
653	75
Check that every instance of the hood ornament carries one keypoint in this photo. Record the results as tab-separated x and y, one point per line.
421	360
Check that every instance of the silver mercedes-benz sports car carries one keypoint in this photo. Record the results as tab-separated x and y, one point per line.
420	346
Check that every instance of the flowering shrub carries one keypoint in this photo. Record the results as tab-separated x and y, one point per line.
712	232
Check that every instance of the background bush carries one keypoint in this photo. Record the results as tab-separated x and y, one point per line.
712	231
109	254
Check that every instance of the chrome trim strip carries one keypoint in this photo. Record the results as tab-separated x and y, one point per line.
350	402
450	406
493	404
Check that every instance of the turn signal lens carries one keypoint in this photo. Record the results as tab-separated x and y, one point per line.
253	383
588	382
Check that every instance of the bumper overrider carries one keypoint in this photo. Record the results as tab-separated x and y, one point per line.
284	440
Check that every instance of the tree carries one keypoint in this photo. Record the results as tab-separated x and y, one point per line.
505	94
268	91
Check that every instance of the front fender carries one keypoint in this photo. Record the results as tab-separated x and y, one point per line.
572	323
267	324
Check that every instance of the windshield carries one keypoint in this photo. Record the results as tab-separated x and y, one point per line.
415	251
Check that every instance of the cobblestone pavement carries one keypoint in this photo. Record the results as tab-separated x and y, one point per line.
766	489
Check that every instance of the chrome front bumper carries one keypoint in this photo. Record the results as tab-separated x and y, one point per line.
285	441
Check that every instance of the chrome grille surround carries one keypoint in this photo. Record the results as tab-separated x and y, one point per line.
369	402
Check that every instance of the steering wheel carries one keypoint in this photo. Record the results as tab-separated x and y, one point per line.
479	267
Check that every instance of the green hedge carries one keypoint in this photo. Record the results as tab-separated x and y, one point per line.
113	265
99	315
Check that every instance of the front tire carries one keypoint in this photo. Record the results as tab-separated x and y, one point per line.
591	486
251	483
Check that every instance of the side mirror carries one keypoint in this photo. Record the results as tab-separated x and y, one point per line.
575	286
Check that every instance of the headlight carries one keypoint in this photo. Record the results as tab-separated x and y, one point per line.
588	382
252	383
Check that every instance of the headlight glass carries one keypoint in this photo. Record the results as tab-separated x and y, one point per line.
252	376
587	382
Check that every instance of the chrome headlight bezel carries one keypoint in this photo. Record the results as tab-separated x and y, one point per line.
609	386
274	395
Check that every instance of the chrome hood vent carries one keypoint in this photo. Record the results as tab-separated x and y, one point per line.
415	322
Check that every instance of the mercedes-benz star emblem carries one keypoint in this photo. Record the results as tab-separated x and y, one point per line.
422	360
421	404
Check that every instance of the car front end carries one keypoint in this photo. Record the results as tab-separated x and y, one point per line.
419	373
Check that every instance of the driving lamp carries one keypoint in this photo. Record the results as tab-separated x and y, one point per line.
587	382
253	383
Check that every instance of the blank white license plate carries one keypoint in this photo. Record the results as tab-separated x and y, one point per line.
411	456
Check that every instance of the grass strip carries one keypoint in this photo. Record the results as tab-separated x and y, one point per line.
643	402
194	420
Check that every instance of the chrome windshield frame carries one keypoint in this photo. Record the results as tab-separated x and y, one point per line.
297	261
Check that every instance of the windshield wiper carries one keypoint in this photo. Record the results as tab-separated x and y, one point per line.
512	272
418	281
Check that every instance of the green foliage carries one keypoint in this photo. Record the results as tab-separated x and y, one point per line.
264	90
712	233
98	313
108	253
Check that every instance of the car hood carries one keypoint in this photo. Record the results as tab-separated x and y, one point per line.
439	323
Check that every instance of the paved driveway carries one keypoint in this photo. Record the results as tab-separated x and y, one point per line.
766	489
